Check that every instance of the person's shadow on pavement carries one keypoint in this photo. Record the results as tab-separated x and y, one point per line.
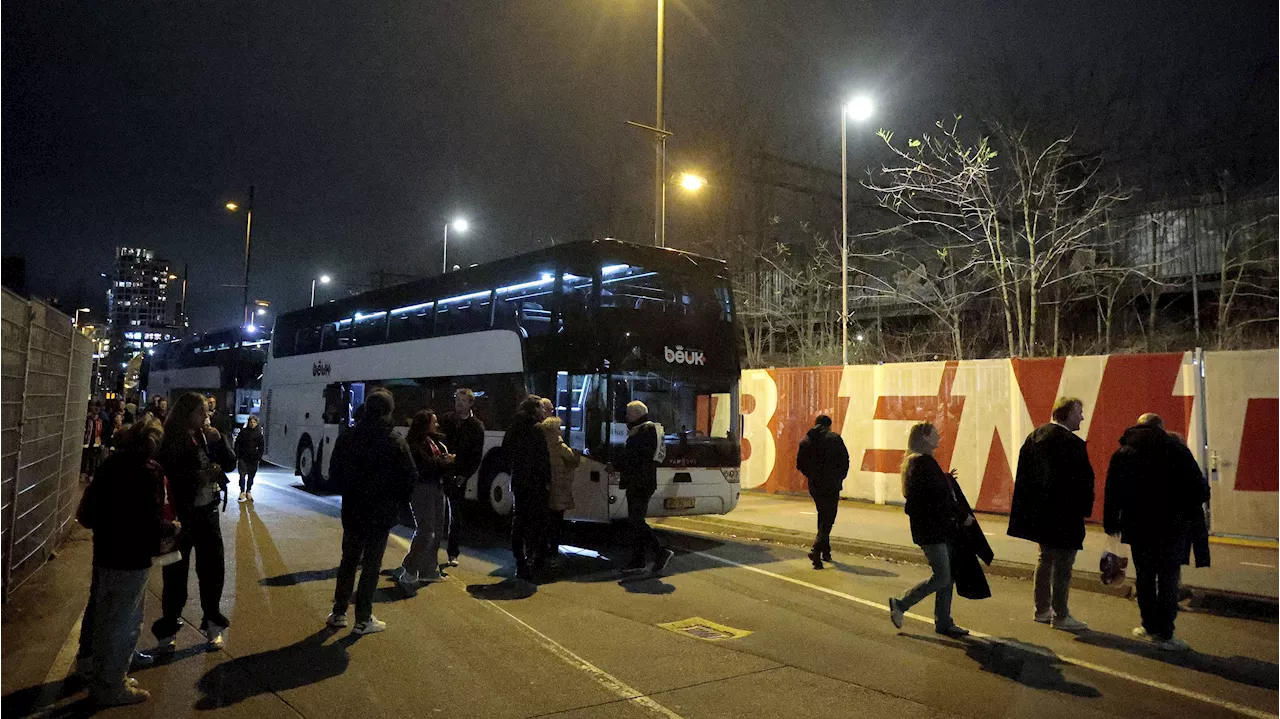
1030	665
297	665
1242	670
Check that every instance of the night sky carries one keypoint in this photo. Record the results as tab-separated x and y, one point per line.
365	126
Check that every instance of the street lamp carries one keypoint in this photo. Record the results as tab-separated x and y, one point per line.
75	322
322	279
660	133
692	182
248	227
858	109
459	225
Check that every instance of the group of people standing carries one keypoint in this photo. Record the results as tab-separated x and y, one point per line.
104	420
1154	502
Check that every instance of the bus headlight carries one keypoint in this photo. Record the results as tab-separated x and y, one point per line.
732	475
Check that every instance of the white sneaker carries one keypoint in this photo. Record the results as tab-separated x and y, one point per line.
1141	633
372	625
453	560
127	695
217	635
1044	617
1069	624
248	496
1173	644
243	497
335	620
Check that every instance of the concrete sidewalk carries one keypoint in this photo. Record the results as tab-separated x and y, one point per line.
1244	570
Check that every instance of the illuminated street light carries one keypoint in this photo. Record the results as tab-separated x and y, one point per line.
248	227
857	109
459	225
322	279
692	182
262	311
232	206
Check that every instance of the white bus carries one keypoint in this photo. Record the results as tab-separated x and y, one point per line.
592	325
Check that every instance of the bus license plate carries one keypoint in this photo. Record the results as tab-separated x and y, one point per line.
679	502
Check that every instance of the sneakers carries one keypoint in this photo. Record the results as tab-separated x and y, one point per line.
895	612
1069	624
816	559
372	625
166	644
1142	633
1044	617
243	497
127	695
453	560
141	660
1173	644
248	496
431	578
336	620
217	635
664	556
952	631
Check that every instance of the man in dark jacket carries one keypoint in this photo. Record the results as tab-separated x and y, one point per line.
530	460
375	468
1052	497
464	433
639	470
1155	494
824	462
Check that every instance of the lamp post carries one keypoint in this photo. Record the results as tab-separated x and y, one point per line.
322	279
248	228
75	322
857	109
459	225
660	133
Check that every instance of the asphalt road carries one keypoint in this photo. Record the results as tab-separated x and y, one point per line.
800	643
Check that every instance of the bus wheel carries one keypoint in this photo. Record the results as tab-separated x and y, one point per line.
307	463
495	493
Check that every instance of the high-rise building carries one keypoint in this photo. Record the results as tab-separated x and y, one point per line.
143	307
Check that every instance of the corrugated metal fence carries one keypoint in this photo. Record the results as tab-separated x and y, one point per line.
45	385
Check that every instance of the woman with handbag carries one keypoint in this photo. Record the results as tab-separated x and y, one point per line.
432	458
936	518
127	508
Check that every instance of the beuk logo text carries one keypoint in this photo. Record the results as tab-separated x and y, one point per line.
321	369
680	355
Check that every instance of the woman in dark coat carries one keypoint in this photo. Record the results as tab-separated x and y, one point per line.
249	448
936	518
432	459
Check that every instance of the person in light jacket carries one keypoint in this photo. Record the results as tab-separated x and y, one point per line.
560	499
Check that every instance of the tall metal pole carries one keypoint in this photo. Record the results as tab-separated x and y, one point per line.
313	292
248	227
444	261
660	149
844	238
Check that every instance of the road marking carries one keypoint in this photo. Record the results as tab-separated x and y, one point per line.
1232	706
620	688
1255	564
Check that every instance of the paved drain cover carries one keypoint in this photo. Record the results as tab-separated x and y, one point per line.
704	629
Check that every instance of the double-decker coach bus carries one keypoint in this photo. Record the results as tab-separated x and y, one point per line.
592	325
226	364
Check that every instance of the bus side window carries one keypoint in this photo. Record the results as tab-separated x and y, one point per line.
411	323
308	340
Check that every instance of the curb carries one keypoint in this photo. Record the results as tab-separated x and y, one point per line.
1208	601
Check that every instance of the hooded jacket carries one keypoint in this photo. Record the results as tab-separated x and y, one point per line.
249	444
823	460
374	467
125	505
563	462
1155	490
1053	493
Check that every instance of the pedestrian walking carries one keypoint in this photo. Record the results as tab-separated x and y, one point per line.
526	451
937	519
375	468
249	448
638	466
1154	502
426	499
560	497
824	461
1052	497
196	459
465	435
126	506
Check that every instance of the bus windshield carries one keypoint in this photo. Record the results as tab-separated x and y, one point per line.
642	292
699	415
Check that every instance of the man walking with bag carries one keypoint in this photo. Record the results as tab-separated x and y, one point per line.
638	465
1052	497
824	462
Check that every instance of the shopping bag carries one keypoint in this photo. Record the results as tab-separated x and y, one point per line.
1114	561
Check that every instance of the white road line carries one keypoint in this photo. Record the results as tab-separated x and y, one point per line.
1232	706
615	685
1255	564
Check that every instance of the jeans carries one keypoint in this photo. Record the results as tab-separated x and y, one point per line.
362	548
201	533
86	621
827	505
940	584
248	470
1159	570
117	621
528	525
427	502
642	535
1053	580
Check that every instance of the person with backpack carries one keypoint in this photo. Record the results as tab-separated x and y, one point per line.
824	461
196	459
249	447
126	505
638	466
